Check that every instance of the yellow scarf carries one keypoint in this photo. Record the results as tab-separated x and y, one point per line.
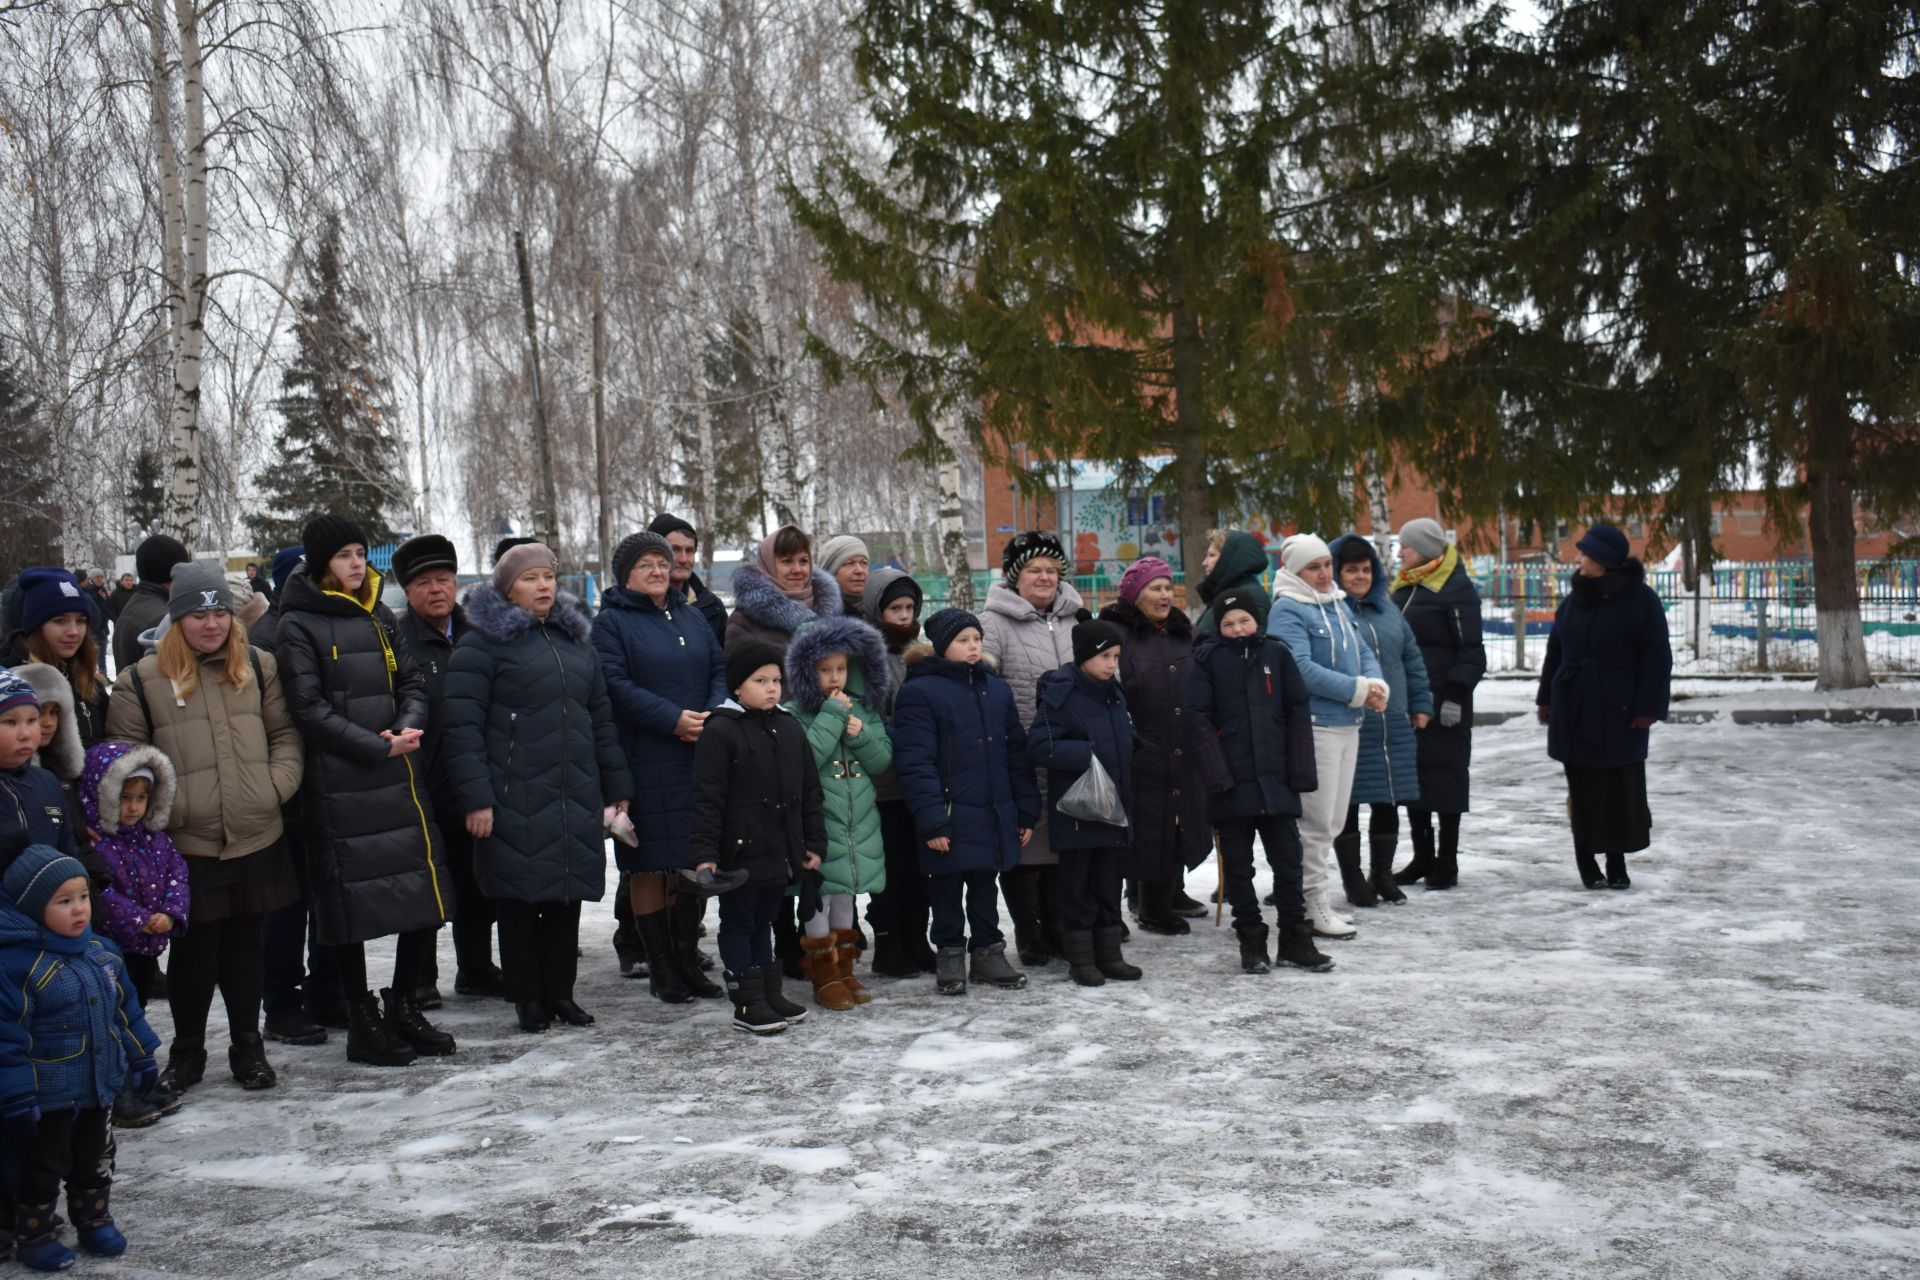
1433	573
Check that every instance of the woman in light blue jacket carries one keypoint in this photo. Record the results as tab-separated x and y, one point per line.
1311	618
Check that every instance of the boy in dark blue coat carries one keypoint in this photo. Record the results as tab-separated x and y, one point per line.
961	757
1080	716
1253	723
37	813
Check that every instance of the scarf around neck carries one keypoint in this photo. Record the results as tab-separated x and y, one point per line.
1438	569
764	560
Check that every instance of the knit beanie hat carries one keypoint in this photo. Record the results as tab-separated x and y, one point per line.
839	549
1031	545
1425	536
904	585
1140	573
325	535
666	523
1605	545
1094	637
154	559
45	594
248	605
35	875
1244	601
518	559
749	658
285	561
632	547
944	626
427	551
198	585
1301	550
15	692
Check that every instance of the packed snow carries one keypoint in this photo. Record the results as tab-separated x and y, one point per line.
1715	1074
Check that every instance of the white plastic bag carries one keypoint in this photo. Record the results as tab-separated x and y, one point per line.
1094	798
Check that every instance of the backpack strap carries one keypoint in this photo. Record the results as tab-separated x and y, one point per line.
140	692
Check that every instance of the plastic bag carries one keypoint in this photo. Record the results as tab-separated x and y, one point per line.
1094	798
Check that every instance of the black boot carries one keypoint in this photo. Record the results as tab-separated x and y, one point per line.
683	924
1617	877
1022	889
568	1012
370	1040
1185	906
186	1065
891	958
1253	948
751	1012
770	989
626	940
1590	874
1106	954
1081	966
950	971
131	1111
1050	928
1422	864
913	929
1296	948
405	1020
1155	912
1346	851
533	1015
1380	869
664	978
295	1027
489	982
1446	870
786	941
247	1059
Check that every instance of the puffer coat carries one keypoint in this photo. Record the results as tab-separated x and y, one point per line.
855	859
375	865
1242	564
1253	727
1171	834
961	755
1080	719
1609	662
1443	611
886	783
530	736
1386	768
757	804
762	614
1025	643
149	875
658	662
237	751
1335	662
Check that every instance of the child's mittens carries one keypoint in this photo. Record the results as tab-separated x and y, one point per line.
146	1074
20	1121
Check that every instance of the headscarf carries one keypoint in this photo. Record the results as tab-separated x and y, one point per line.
764	560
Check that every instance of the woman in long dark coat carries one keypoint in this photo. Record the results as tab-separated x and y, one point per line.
1604	684
1170	831
665	674
537	768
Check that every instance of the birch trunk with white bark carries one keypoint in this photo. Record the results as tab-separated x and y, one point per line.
953	521
183	216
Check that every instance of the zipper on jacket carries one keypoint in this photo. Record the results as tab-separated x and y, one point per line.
413	793
513	735
566	763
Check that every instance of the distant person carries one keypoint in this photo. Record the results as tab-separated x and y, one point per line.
154	559
122	592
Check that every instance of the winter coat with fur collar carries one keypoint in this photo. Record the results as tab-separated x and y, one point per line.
149	875
761	613
530	735
855	859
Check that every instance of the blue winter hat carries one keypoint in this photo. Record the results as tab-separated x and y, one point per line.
285	561
16	692
36	874
45	594
1605	545
945	625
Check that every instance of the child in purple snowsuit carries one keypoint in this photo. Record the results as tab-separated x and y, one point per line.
127	794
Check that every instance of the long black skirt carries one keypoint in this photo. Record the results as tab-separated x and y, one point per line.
1607	806
259	882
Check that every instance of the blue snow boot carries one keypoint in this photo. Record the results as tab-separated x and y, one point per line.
38	1232
93	1224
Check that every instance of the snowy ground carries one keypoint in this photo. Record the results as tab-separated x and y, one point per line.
1713	1075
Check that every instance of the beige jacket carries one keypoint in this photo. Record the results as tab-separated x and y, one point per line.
237	752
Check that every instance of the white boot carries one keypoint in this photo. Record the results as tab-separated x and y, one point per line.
1325	923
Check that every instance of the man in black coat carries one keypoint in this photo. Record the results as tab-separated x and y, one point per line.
155	559
425	567
122	592
682	581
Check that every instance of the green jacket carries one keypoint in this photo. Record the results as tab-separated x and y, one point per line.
855	859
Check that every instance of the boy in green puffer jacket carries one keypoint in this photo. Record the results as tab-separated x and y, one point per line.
837	675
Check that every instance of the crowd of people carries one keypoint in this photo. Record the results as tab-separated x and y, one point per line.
284	771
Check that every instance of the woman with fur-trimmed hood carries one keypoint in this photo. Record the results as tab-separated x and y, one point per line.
537	768
780	592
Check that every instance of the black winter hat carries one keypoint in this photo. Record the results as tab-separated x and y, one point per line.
749	658
943	626
666	523
1245	601
154	559
1030	545
632	547
323	537
1090	639
1606	545
1354	550
427	551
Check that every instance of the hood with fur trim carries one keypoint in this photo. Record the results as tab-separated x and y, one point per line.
755	595
498	618
866	653
109	765
63	757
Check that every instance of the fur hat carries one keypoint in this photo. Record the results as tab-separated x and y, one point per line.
1301	550
35	875
1140	573
63	757
518	559
1605	545
154	559
198	585
1425	536
1031	545
325	535
943	627
1094	637
749	658
632	547
419	554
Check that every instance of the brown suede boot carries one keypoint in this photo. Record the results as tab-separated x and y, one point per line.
821	958
846	944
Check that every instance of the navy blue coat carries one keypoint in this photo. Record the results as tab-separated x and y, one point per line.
1253	727
1075	719
70	1025
33	810
1608	664
1386	766
1171	834
658	663
1443	613
961	757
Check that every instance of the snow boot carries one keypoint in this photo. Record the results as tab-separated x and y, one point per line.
823	970
93	1223
751	1012
950	971
990	966
295	1028
532	1016
370	1040
1423	862
1185	906
776	999
1617	877
131	1111
891	956
1106	954
490	982
565	1010
664	977
1296	948
1446	869
683	926
1380	868
1253	948
1346	851
627	948
846	945
1324	923
247	1059
38	1233
1022	889
1081	966
1590	874
406	1021
1156	914
186	1065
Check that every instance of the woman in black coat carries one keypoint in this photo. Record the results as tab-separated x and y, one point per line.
537	769
374	861
1170	832
1442	609
1602	687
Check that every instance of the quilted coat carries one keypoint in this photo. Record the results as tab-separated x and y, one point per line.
762	613
1443	611
1171	833
1253	727
1386	767
855	859
1025	643
1080	719
149	873
757	804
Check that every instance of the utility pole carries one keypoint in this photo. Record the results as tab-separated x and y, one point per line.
600	466
546	518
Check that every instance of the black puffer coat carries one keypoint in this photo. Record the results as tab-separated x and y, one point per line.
374	862
757	802
432	651
1253	727
530	735
1444	617
1171	833
1609	662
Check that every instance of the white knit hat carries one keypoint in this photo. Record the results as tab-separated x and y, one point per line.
1301	550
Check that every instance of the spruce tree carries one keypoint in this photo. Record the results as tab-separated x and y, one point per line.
337	452
146	491
30	531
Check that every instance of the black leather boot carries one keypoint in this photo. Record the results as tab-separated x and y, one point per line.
1155	913
1346	851
1380	852
370	1040
247	1059
1590	873
406	1021
664	978
1253	948
186	1065
683	924
1617	877
1416	871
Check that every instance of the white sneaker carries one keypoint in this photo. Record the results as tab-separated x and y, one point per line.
1325	923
